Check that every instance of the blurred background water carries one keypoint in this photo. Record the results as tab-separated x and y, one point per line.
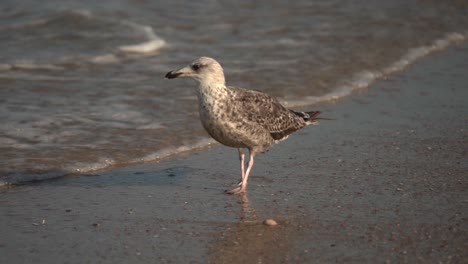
82	87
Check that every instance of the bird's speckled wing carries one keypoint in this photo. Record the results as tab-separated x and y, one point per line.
266	111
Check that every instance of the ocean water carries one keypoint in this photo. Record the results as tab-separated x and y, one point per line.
82	83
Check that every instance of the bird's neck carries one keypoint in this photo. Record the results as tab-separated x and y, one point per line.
211	88
210	93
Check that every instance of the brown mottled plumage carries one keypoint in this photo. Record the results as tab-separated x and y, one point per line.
240	118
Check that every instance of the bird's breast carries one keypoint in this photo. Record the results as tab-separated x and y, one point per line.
219	120
213	115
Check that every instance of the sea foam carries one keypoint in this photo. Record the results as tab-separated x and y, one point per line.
365	78
149	45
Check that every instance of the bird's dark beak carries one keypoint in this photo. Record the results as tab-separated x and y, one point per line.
184	72
173	74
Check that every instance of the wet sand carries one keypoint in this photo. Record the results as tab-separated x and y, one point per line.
384	182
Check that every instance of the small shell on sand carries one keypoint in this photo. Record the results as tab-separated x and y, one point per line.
270	222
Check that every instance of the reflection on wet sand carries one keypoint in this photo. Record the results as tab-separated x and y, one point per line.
249	241
247	213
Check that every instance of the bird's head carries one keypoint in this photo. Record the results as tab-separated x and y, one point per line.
205	70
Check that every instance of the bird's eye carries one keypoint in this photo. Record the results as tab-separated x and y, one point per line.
195	67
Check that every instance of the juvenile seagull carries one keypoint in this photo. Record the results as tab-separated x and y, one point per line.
240	118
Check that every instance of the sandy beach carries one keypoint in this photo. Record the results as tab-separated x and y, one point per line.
385	182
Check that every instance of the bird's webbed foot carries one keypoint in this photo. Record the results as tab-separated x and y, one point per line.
237	190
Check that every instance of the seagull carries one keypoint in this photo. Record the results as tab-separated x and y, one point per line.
240	118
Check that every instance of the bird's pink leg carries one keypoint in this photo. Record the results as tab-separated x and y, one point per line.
243	186
247	173
242	160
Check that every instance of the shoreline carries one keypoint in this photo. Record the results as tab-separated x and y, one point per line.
384	182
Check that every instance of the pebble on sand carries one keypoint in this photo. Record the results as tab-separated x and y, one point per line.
270	222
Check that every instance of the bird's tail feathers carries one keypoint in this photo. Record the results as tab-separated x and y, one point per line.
311	117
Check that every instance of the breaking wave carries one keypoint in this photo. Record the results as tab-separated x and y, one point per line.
96	40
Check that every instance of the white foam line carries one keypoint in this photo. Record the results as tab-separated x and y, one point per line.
164	153
145	47
5	67
35	66
90	167
153	44
416	53
365	78
18	178
108	58
102	164
149	47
